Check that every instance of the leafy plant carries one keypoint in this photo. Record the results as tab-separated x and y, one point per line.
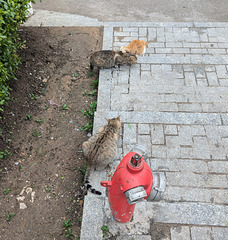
40	121
12	14
47	189
64	107
105	231
90	73
36	133
6	190
92	93
4	153
33	96
28	117
76	75
88	126
9	216
95	83
90	112
67	226
69	233
83	169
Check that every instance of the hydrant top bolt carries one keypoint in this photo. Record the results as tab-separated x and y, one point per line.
136	160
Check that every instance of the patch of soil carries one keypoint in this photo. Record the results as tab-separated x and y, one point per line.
43	137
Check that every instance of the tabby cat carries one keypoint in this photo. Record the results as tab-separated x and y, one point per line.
109	59
100	149
135	47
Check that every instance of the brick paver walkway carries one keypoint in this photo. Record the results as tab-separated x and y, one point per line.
175	103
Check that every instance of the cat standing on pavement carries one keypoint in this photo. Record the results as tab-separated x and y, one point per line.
109	59
100	149
136	47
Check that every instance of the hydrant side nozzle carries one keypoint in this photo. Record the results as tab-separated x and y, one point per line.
106	184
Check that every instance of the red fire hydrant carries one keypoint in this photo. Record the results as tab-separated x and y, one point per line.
131	183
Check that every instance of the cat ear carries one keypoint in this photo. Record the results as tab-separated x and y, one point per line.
118	117
108	119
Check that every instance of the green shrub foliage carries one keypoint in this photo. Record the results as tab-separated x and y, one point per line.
12	14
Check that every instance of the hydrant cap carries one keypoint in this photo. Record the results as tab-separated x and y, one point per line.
135	164
136	160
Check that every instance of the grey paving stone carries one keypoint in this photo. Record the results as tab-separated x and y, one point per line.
159	151
212	79
92	216
202	233
220	233
143	128
196	180
201	148
139	225
138	237
107	38
218	166
129	134
157	134
189	213
179	165
180	233
170	129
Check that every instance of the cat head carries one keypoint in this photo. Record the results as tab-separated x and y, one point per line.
115	122
125	58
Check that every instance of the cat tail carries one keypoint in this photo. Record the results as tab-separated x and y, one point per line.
88	185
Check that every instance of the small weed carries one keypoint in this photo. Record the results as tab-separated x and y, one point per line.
79	220
105	231
83	169
64	107
47	189
4	154
76	75
88	126
9	216
21	168
40	121
90	112
6	190
92	93
69	233
54	193
62	177
90	74
36	133
28	117
67	224
33	96
95	83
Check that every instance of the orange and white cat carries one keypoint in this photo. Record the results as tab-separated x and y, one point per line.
136	47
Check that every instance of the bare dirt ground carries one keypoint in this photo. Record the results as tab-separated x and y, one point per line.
40	130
